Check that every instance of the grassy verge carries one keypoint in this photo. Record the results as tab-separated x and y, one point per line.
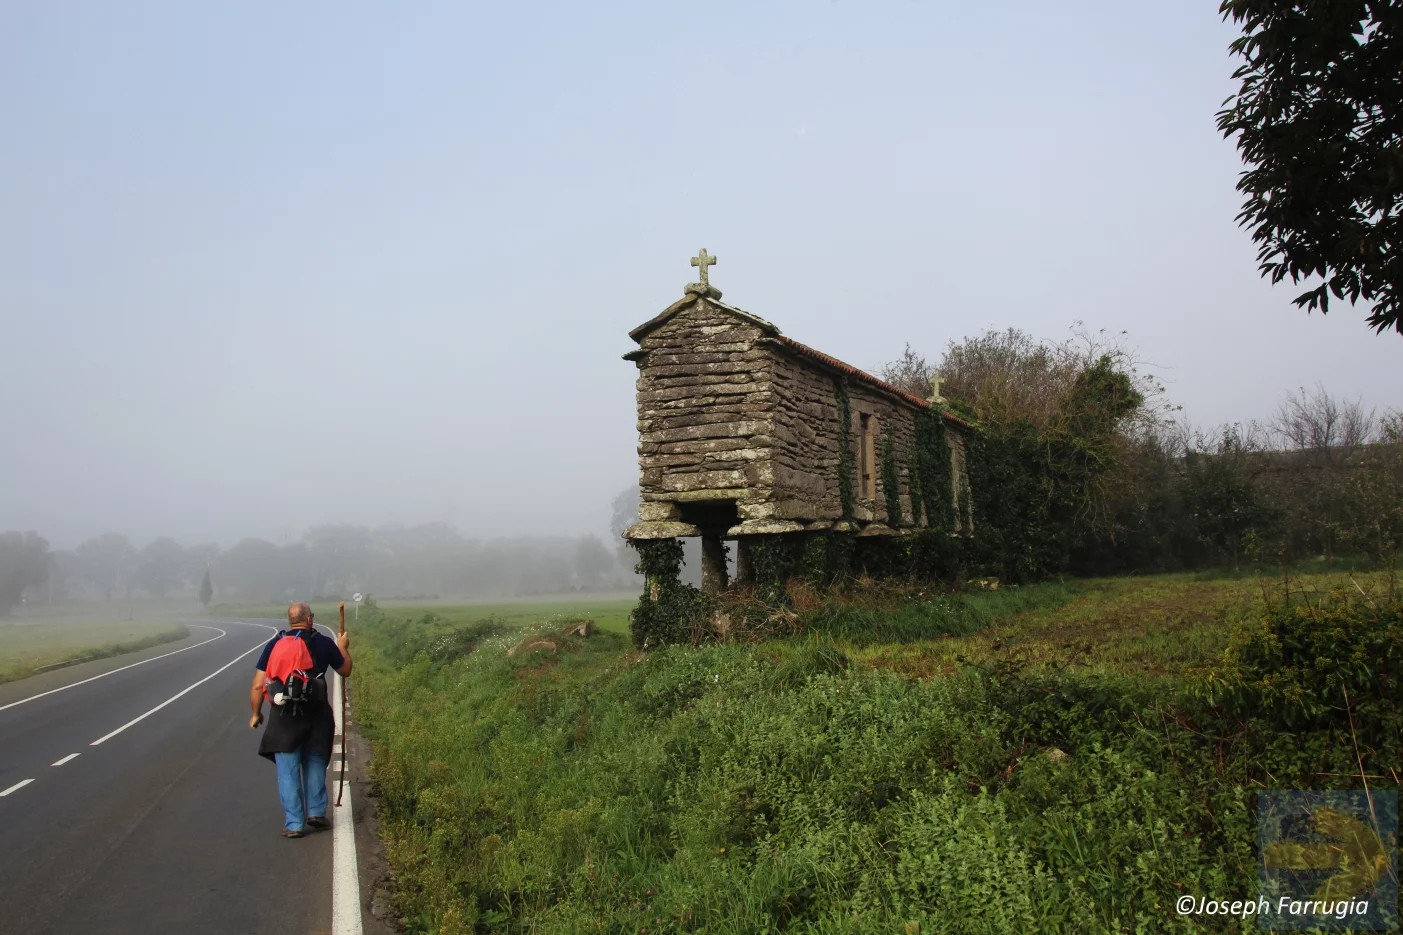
28	647
1000	764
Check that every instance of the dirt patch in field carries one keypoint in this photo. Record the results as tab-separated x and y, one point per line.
912	662
1093	618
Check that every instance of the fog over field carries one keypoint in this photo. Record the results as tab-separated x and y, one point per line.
265	269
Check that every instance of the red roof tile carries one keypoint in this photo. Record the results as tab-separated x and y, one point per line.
848	369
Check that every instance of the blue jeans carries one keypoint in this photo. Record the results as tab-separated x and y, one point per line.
301	786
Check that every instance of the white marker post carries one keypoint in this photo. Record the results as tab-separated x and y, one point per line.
357	597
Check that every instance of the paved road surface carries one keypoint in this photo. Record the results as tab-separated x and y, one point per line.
169	826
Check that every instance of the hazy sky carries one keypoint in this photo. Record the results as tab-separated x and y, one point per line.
280	264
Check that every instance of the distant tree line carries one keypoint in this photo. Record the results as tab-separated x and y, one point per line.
1081	466
420	561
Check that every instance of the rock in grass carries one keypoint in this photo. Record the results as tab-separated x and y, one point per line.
583	627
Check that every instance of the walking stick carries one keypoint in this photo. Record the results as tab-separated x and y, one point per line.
341	783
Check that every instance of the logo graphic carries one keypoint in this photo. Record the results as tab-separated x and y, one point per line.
1328	860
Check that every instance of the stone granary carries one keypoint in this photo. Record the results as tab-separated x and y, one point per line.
739	435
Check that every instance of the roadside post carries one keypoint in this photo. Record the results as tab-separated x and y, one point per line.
341	783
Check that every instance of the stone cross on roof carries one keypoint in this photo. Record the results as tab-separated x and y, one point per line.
702	260
705	288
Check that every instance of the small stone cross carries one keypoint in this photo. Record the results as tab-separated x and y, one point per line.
935	396
702	260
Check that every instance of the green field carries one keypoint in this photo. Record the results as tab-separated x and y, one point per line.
31	643
1166	627
1064	757
609	612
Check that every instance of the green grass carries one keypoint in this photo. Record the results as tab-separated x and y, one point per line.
1036	759
863	620
29	644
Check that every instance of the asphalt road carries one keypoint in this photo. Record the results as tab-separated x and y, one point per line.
169	825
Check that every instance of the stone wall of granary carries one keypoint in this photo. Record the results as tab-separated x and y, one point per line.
805	455
898	421
704	401
806	444
806	441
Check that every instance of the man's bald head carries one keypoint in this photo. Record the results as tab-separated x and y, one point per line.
299	615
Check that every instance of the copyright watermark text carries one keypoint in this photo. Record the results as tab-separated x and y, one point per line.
1341	910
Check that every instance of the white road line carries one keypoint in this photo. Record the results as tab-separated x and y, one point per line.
21	784
137	720
345	872
345	875
104	675
64	760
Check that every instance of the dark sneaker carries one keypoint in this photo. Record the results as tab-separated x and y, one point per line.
318	823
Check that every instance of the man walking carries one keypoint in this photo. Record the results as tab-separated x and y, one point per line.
299	735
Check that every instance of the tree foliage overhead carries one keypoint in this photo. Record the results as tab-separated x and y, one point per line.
1319	122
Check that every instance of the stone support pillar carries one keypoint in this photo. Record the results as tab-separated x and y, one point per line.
713	564
743	560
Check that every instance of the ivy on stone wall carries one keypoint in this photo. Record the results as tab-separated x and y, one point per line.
841	547
669	610
813	559
891	481
881	557
934	555
827	557
773	561
931	485
659	562
845	446
927	556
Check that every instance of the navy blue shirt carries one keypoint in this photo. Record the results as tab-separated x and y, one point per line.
323	649
314	727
